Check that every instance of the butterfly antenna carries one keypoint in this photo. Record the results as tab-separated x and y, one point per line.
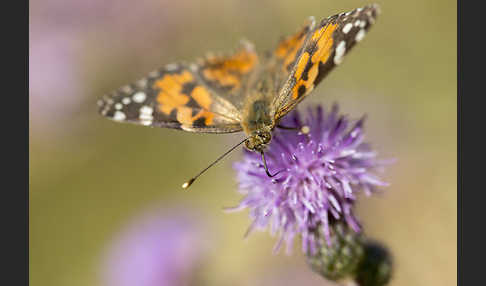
189	182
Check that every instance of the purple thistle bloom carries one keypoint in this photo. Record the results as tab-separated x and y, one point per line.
322	171
156	250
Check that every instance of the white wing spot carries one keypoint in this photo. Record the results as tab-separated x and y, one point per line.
126	100
171	67
186	128
119	116
118	106
139	97
154	73
108	100
193	67
146	111
360	35
127	89
362	24
357	23
340	50
142	82
347	28
146	116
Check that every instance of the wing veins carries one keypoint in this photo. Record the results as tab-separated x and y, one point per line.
215	94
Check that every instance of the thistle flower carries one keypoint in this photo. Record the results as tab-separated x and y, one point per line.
321	173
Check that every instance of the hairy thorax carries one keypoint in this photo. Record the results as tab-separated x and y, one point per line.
258	122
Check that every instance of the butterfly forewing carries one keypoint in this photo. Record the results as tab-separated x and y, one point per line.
288	52
213	94
204	97
325	48
172	97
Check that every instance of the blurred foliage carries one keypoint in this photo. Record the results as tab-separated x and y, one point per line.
88	175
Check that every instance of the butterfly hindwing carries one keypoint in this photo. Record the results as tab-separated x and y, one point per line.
230	76
325	48
172	97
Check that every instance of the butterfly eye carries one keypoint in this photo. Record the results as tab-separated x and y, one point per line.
265	137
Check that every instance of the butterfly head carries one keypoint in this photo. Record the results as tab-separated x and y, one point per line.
259	139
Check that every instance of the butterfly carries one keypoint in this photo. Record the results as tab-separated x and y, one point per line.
241	91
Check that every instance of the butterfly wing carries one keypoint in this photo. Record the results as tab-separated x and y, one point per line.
201	97
288	52
323	48
231	76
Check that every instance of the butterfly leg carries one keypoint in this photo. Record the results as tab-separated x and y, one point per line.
304	129
288	128
266	168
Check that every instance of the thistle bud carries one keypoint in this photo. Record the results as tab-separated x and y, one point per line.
340	258
376	267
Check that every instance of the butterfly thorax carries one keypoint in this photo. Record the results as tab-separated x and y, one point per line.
258	121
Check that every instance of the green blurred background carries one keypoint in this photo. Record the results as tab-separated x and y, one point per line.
90	176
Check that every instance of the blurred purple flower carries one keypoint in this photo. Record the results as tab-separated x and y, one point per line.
67	37
156	250
289	276
54	82
322	172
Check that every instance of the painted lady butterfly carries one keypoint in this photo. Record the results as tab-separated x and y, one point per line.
242	91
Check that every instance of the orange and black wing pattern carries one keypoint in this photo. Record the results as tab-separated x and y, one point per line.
288	52
230	76
321	49
202	97
172	97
